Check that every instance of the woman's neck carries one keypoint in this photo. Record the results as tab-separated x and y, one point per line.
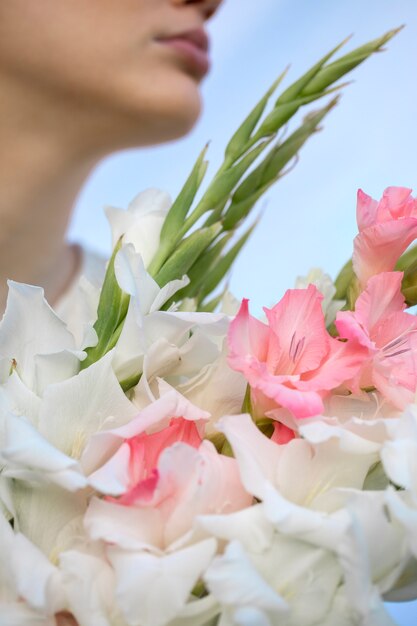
44	161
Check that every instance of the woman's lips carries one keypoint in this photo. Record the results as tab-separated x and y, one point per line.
193	47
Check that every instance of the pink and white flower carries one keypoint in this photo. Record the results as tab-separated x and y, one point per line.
292	360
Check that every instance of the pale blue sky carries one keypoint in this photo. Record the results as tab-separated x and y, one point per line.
369	141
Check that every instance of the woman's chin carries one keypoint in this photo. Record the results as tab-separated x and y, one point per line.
168	110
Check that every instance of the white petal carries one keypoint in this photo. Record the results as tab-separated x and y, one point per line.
216	388
149	201
144	579
89	584
128	527
250	616
256	455
305	576
54	368
37	580
144	235
234	581
8	591
368	570
19	614
30	327
404	513
319	529
319	431
169	290
75	409
131	348
47	516
134	279
31	457
198	613
16	398
113	478
250	527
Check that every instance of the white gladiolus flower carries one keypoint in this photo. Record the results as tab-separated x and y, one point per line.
289	583
216	388
161	342
164	505
153	589
141	224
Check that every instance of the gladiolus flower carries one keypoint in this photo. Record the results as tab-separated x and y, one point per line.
380	324
292	360
386	229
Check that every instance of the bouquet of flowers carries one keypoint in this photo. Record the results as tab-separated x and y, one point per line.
168	459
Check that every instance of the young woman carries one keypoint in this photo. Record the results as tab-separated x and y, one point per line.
80	79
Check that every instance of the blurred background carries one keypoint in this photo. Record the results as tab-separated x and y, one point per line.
369	141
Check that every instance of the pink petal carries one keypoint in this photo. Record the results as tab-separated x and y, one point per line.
141	494
247	335
366	210
396	202
381	298
282	434
301	403
349	327
393	334
378	248
298	323
398	395
214	487
146	449
343	363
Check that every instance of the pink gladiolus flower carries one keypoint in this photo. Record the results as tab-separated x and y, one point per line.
389	335
144	453
292	360
162	507
386	229
282	434
167	478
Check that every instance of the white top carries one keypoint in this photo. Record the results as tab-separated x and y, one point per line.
78	306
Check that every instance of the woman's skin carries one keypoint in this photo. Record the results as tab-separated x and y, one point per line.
80	79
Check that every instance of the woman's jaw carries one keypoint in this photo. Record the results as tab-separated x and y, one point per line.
132	67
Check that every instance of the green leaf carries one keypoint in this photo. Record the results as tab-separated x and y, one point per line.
247	402
281	154
407	261
376	478
223	185
239	210
283	112
334	71
128	383
237	145
211	305
186	254
178	212
293	92
284	153
219	270
410	295
352	294
216	214
111	312
202	267
343	280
